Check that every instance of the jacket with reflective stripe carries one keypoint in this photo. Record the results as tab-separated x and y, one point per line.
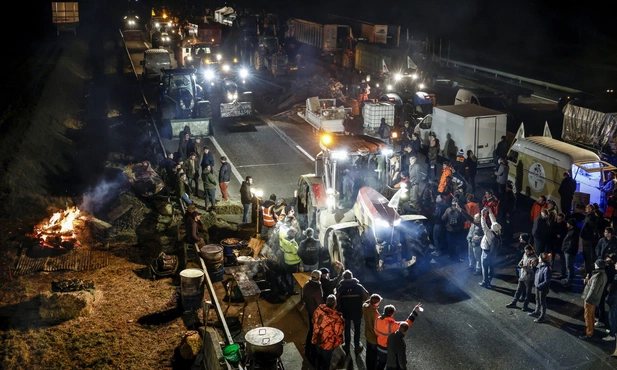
268	216
386	326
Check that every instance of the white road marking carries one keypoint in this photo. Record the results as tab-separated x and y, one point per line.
268	164
233	168
305	153
287	139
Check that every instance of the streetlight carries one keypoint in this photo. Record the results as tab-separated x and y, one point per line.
257	193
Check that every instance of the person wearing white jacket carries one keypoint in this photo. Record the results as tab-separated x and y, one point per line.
489	244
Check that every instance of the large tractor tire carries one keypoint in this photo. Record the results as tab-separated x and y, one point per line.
204	109
168	111
346	247
258	61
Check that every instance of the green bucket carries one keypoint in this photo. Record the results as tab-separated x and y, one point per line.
231	353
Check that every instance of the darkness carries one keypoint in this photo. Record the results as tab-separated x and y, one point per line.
529	32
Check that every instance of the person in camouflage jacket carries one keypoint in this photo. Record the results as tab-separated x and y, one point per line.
328	327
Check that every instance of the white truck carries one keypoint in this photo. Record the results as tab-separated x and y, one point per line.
324	115
467	127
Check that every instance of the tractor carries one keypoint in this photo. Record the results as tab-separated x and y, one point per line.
365	231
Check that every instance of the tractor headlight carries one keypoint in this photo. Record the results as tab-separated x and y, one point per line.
421	86
398	77
189	58
382	223
235	60
226	68
414	76
230	96
244	73
389	87
209	74
339	154
157	25
219	57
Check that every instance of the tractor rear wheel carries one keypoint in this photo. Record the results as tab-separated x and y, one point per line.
168	111
347	248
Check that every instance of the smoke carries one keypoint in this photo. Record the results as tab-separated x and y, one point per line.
95	198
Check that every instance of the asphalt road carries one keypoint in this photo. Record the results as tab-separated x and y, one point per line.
464	325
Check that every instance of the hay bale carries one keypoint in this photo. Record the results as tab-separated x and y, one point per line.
57	307
190	345
229	208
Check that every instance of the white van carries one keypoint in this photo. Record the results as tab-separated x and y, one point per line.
537	164
154	60
480	97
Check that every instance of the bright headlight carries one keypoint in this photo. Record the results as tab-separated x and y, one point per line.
157	25
387	152
244	73
381	222
389	87
219	57
339	154
230	96
189	58
235	60
421	86
209	74
414	76
398	77
397	222
235	95
226	68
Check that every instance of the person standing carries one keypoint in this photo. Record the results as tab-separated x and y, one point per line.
384	131
541	232
269	218
501	151
415	143
474	250
569	246
386	325
246	197
312	295
397	357
471	169
365	90
289	247
611	301
370	311
507	206
502	176
309	250
594	285
566	192
489	244
224	177
415	177
328	327
431	159
192	173
460	164
350	295
445	172
537	207
454	221
329	283
184	146
559	229
526	267
542	283
588	237
207	159
198	149
607	245
209	188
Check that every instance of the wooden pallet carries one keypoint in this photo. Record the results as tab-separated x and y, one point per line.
75	260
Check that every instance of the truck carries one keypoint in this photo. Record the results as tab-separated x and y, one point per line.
467	127
592	124
268	55
180	102
324	115
65	16
366	232
333	40
391	67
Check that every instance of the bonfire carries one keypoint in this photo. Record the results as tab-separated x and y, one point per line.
59	230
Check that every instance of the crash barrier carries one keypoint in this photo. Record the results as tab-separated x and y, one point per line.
161	150
519	79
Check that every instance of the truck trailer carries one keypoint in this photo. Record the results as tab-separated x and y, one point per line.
467	127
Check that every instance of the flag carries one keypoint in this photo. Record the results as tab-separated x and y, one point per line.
384	67
411	64
396	198
547	131
520	133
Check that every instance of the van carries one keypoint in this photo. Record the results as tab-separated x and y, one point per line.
154	60
537	164
481	97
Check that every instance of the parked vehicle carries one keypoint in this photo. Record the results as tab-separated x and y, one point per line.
467	127
154	61
537	164
65	16
324	115
367	232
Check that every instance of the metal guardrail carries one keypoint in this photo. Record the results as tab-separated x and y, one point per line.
143	96
497	73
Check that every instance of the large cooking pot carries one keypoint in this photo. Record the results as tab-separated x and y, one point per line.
265	344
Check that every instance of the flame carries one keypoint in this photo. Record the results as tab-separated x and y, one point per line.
60	224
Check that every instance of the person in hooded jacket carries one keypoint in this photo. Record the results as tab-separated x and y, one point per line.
594	286
489	244
246	197
474	250
541	232
384	131
312	295
309	251
526	266
542	283
569	246
350	295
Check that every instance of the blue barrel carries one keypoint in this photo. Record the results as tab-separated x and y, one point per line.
216	274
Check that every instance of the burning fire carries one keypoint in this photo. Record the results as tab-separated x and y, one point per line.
58	231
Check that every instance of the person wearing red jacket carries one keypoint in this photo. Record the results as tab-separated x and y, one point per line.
386	325
328	328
